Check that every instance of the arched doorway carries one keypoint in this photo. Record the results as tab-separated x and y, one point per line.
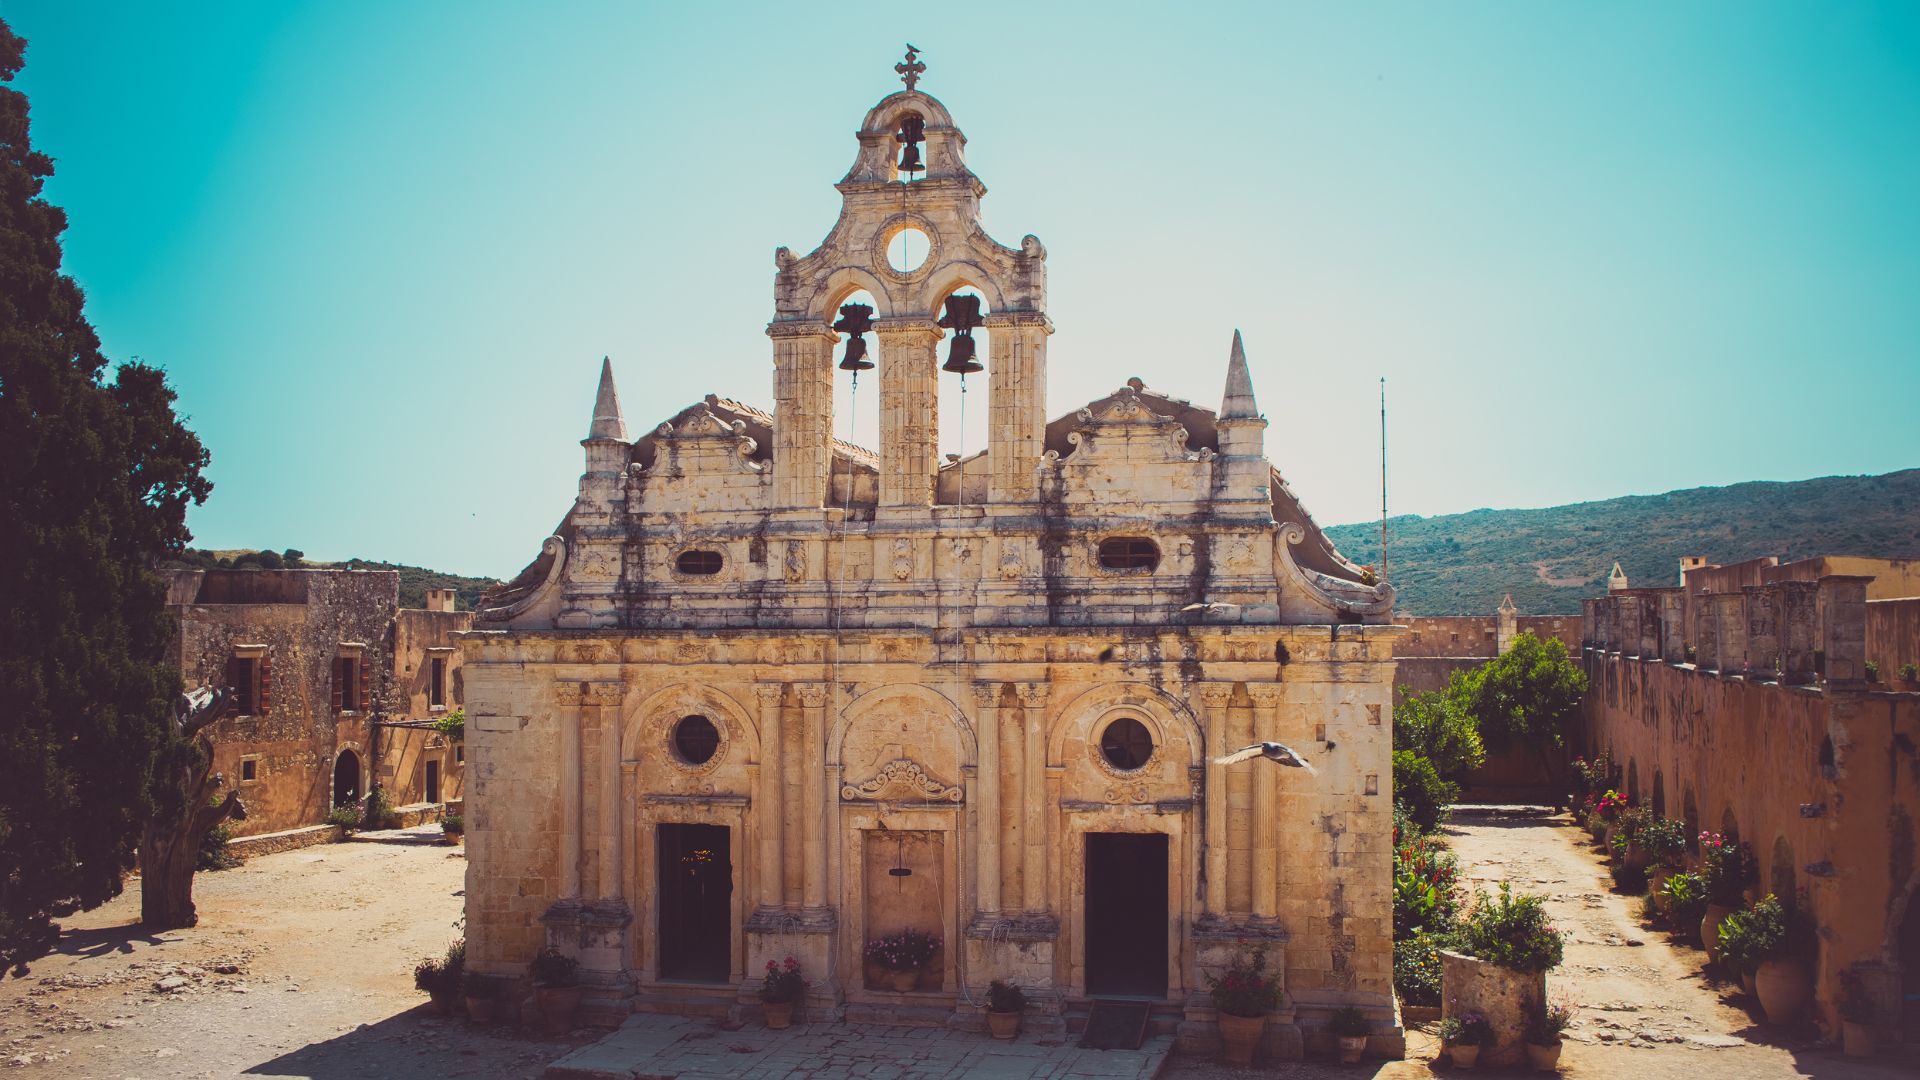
346	779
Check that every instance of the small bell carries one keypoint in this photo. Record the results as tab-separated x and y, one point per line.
962	315
855	320
912	131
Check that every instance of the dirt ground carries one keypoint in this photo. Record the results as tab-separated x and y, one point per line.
302	967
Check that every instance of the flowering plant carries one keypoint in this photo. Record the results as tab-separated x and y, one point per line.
1511	931
1728	867
1545	1023
1246	989
904	951
1610	805
1469	1030
784	984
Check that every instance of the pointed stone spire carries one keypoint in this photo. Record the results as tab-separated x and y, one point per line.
1616	579
1238	404
607	421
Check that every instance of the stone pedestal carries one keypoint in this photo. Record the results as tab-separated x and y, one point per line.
1503	996
594	932
808	935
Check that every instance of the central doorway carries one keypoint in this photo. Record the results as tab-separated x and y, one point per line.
1126	915
696	902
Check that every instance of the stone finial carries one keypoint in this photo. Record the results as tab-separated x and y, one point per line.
607	421
1616	579
1506	606
1238	403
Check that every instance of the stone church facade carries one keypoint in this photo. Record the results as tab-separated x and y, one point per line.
766	693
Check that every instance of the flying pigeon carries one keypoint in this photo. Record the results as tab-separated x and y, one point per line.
1272	751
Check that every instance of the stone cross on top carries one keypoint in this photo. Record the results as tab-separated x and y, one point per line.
910	68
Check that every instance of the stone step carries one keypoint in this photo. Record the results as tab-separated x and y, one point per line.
902	1015
688	1001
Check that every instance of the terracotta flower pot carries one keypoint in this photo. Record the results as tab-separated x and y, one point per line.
1636	856
479	1009
1784	987
1464	1056
1351	1048
778	1014
1710	930
1238	1036
1003	1025
1544	1058
1606	840
1746	982
1856	1040
557	1006
905	981
445	1003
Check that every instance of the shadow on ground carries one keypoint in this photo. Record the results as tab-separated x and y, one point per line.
419	1045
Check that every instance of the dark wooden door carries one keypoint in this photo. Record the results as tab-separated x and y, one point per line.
1126	914
696	902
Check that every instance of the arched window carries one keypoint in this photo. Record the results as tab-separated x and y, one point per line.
1129	553
699	561
695	739
1126	744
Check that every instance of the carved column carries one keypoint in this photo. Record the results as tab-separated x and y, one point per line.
1266	803
1213	700
802	412
606	698
1033	798
813	821
1017	408
571	701
986	796
768	814
909	411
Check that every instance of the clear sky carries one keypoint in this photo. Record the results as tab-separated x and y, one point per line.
1595	249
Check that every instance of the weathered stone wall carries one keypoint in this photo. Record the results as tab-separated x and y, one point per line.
420	637
1893	639
1820	778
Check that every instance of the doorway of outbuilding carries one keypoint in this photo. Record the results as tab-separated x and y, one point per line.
432	782
1126	914
346	778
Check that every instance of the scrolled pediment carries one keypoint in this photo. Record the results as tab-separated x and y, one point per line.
902	780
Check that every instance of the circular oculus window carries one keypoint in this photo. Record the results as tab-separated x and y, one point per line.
695	740
1126	744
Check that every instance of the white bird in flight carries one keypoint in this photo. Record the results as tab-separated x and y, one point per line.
1272	751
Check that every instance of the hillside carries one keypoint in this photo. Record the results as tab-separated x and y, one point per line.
1551	558
414	580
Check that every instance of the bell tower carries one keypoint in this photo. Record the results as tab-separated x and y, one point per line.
909	173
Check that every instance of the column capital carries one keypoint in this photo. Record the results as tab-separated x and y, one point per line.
1033	694
906	326
986	694
581	694
1006	319
1215	695
769	694
1266	695
802	328
813	695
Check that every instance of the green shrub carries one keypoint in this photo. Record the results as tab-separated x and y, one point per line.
1727	867
1005	997
1438	726
380	812
1739	943
1349	1022
1425	886
551	967
453	825
1419	787
1665	841
1416	968
213	850
1910	672
1686	895
452	724
1873	671
1511	931
345	816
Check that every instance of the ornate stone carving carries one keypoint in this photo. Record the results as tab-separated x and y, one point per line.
1215	695
1265	695
812	695
898	781
1351	597
1032	695
769	694
796	561
1011	564
903	558
986	694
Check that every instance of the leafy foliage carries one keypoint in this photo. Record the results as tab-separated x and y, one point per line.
1349	1022
784	983
1472	1029
1245	989
99	474
345	816
907	950
1527	696
1686	896
1550	559
1419	790
1438	725
1545	1023
1727	867
452	724
1005	997
1425	886
1511	931
441	977
551	967
1416	967
1665	840
213	850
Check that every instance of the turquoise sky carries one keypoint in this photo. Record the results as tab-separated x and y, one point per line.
1596	249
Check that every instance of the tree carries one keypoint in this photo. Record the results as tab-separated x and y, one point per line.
187	809
98	476
1439	725
1526	697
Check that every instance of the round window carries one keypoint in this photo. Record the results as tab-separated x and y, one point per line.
695	739
1126	744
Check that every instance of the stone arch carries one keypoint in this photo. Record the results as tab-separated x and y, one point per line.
1690	814
1729	824
843	282
1633	782
349	776
1659	794
930	702
885	116
650	720
1166	717
1780	877
954	275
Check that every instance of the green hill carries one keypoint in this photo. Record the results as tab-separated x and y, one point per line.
1549	559
414	580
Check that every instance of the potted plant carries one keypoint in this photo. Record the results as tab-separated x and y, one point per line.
439	978
1857	1016
782	989
1461	1038
1783	945
480	993
1685	896
1727	867
1349	1025
1609	808
1544	1028
556	990
1005	1002
1242	998
1626	838
1738	947
1665	842
902	955
344	817
453	827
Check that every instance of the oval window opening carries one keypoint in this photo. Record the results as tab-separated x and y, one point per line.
698	562
907	251
695	739
1126	744
1129	553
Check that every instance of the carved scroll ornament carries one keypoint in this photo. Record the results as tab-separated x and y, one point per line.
901	780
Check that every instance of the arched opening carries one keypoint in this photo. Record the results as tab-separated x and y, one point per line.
1690	813
1729	826
856	393
963	406
1780	877
909	138
1659	795
1633	783
346	779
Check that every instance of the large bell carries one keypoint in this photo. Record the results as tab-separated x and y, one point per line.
912	131
960	355
855	320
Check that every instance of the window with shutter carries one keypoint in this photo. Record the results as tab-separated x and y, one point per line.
339	663
437	684
360	697
264	680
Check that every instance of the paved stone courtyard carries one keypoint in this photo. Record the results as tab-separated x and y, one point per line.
651	1045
